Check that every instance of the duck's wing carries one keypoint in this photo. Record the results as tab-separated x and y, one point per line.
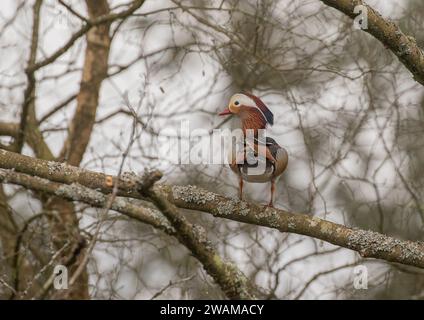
282	159
280	155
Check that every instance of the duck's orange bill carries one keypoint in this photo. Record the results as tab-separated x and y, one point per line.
225	112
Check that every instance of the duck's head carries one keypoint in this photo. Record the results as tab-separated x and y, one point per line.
253	113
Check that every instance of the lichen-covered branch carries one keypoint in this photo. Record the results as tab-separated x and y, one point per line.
367	243
233	282
388	33
78	192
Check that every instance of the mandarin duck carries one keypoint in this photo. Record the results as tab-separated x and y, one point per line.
255	116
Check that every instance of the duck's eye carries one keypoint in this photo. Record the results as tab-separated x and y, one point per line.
236	103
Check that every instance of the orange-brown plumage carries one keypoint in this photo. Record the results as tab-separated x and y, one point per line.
251	119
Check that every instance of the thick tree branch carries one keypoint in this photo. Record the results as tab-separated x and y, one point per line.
77	192
9	129
30	88
94	72
229	278
388	33
367	243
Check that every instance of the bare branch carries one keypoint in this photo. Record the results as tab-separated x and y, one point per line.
101	20
94	72
229	278
368	243
9	129
389	34
30	88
